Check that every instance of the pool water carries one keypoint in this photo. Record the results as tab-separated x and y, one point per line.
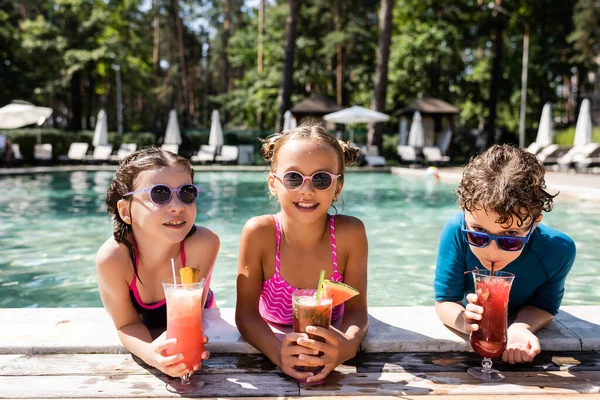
52	225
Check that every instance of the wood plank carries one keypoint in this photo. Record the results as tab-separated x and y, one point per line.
143	386
417	397
446	383
120	364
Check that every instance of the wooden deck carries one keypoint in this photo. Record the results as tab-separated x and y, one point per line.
553	375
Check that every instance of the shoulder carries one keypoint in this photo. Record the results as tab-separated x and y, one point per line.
113	258
455	222
553	243
345	224
203	237
262	224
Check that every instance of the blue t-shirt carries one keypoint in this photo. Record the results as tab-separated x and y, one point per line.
540	270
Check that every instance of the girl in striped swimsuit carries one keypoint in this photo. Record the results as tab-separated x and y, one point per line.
282	252
152	201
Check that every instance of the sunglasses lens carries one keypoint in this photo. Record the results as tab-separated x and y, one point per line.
321	181
188	194
292	180
477	239
511	244
160	194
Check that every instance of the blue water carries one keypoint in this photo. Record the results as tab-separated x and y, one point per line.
52	224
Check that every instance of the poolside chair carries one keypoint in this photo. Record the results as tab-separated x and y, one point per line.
433	155
409	155
124	150
228	155
370	157
17	157
534	148
592	160
76	152
42	152
577	154
101	154
549	155
173	148
206	154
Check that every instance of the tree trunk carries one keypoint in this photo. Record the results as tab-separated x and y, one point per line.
288	61
259	56
189	109
381	73
75	124
156	46
225	54
339	71
495	81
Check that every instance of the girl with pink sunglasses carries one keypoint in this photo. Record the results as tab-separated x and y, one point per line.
152	201
286	251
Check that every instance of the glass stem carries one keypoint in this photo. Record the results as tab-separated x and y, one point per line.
185	379
486	363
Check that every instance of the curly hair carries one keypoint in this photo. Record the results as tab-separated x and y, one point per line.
346	153
124	180
508	181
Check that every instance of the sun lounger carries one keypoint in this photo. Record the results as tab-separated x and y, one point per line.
76	152
550	155
591	160
173	148
124	150
577	154
101	154
534	148
228	155
433	155
371	157
42	152
409	155
206	154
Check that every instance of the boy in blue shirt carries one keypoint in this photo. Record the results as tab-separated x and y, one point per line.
502	195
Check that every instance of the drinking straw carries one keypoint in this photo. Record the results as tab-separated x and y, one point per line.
173	269
492	271
320	284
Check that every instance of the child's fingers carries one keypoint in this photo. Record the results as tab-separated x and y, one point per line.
321	375
176	370
291	338
309	361
205	339
472	316
312	344
295	350
474	308
163	344
472	298
170	360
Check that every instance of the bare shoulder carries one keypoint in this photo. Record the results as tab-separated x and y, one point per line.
113	258
346	225
259	225
204	238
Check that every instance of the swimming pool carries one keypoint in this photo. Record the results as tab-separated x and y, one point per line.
52	225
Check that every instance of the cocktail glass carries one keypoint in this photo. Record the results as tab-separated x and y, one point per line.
184	322
310	311
489	341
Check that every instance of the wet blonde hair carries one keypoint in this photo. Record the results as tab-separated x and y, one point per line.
346	153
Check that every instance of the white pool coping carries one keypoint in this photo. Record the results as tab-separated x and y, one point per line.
392	329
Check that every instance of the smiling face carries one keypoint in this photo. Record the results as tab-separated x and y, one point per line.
485	221
169	222
305	156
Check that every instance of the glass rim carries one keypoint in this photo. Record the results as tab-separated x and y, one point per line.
310	293
177	284
497	274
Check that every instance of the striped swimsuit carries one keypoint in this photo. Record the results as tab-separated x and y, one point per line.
275	304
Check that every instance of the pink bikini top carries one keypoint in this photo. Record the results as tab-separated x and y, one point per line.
275	304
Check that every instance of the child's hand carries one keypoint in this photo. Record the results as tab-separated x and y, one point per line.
205	355
332	349
472	313
522	345
170	365
289	351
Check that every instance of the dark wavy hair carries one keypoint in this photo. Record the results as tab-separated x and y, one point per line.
347	154
124	180
507	180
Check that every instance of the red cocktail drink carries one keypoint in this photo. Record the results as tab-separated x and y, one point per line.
310	311
489	341
184	322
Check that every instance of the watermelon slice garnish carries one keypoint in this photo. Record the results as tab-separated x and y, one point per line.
339	292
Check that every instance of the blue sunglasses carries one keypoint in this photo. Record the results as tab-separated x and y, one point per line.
504	242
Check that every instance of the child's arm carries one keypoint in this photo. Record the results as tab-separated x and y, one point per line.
343	345
134	335
202	248
249	285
